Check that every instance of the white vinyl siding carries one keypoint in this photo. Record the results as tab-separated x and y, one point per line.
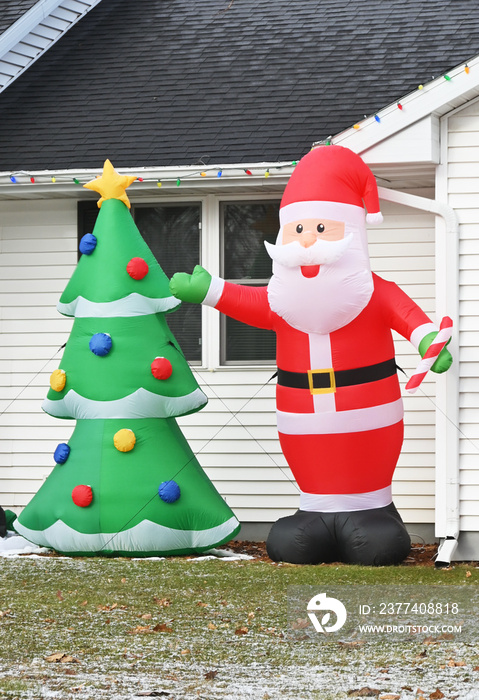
463	196
37	258
402	250
235	434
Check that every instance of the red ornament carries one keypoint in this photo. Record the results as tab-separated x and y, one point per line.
161	368
137	268
82	495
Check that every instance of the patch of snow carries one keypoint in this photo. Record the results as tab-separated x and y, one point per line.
13	545
225	554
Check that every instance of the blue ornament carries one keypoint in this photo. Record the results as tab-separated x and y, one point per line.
88	244
61	453
169	491
100	344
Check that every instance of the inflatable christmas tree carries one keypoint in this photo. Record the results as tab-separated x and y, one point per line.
127	482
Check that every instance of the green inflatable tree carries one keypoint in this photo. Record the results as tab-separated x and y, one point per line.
127	482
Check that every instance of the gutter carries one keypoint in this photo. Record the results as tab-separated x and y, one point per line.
447	462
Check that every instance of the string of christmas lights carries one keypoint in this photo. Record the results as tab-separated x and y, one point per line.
20	177
24	177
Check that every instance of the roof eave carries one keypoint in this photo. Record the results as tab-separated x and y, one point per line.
436	98
176	180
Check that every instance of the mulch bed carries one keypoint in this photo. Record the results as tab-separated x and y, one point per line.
421	554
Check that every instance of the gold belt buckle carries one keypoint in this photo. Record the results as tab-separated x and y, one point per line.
326	390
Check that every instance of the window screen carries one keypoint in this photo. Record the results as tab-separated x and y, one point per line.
173	235
172	232
245	227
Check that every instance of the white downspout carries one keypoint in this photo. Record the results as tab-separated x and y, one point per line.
447	415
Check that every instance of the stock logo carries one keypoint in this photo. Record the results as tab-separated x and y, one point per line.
327	605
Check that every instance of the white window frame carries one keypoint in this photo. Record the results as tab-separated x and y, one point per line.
211	261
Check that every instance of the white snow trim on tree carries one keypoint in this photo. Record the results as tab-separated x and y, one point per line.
147	536
132	305
140	404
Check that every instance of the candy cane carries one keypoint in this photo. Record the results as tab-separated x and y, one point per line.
431	355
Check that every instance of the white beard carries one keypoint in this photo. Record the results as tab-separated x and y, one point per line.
320	253
328	301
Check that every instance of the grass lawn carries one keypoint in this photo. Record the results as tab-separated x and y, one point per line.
212	628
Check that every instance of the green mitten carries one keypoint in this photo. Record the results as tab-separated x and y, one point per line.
192	288
444	361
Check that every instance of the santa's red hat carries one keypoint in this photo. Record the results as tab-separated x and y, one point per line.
332	182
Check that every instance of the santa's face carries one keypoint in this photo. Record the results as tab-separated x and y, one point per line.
308	231
310	243
321	275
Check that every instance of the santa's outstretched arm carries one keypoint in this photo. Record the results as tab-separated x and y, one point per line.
408	319
241	302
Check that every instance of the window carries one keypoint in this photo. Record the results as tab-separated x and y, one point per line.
172	232
244	228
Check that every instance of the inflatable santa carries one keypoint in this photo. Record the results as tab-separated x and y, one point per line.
339	407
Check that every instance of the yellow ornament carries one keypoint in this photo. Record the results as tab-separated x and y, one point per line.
111	185
124	440
58	379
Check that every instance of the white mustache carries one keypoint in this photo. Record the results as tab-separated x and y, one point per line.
320	253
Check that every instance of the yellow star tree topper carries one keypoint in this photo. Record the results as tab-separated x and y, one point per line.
111	185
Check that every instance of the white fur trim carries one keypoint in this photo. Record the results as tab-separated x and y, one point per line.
355	421
345	502
336	211
374	218
421	331
214	292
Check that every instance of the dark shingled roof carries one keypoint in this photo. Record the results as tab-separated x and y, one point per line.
12	10
166	82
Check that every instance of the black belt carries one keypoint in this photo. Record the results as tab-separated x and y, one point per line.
325	381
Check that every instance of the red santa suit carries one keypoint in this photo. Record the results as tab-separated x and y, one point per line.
339	407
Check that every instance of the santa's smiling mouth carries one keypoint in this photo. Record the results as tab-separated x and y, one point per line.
310	270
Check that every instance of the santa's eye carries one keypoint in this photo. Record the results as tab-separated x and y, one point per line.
320	228
299	228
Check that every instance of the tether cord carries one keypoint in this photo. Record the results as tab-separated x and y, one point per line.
232	417
31	380
195	454
235	414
